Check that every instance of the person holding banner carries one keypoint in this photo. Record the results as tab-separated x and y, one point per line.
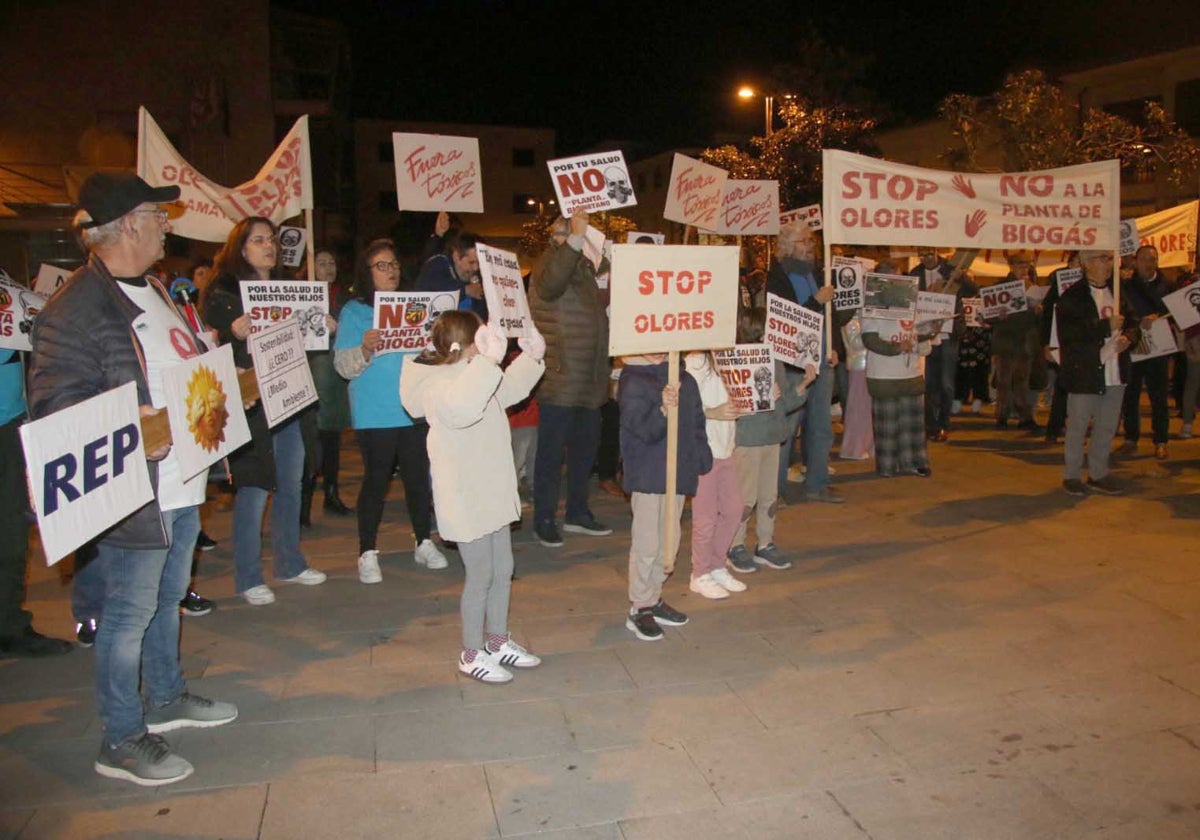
274	459
113	324
1144	290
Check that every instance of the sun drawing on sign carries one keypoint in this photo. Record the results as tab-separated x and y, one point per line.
206	414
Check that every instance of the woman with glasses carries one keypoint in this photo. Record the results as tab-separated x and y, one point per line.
274	458
385	432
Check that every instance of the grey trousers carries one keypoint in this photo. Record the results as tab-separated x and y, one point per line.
1103	412
489	564
646	553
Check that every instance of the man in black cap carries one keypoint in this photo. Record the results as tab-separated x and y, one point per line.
113	323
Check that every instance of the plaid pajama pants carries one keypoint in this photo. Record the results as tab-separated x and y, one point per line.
900	433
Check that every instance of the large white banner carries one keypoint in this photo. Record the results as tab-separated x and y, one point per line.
285	383
592	182
86	468
1172	232
500	274
268	302
869	201
18	307
281	189
204	409
749	208
405	319
674	297
438	172
694	192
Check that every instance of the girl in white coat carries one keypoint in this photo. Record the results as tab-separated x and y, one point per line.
459	388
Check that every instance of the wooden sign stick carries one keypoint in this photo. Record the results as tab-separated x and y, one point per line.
671	516
156	429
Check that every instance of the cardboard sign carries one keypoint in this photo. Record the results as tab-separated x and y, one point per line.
1065	278
1129	238
1157	341
846	277
269	302
637	237
1173	233
204	409
749	208
971	307
285	382
748	371
291	246
675	297
794	332
592	182
694	192
18	307
810	215
1003	299
86	468
890	296
935	306
504	290
438	172
1184	306
877	202
405	319
49	279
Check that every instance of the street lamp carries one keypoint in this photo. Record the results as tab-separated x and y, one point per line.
747	92
541	205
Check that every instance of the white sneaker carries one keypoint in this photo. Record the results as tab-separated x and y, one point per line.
835	410
727	581
368	567
795	474
484	668
427	555
515	656
309	577
977	406
1185	431
259	596
956	407
709	588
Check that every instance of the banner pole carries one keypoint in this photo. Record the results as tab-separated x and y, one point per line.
309	247
829	305
671	515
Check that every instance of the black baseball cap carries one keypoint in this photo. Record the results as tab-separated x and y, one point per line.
110	195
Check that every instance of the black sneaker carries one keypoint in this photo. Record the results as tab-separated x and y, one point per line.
644	625
1074	487
665	614
194	605
205	543
146	761
586	525
85	633
547	534
31	643
1108	485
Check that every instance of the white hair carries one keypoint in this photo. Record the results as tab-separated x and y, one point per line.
789	235
560	227
100	236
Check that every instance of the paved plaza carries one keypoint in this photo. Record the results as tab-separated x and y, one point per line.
978	655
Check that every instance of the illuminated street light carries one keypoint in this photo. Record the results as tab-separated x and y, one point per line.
541	205
747	92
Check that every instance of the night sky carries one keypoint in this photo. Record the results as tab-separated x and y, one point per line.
664	73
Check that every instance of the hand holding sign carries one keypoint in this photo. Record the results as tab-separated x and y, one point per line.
579	222
533	344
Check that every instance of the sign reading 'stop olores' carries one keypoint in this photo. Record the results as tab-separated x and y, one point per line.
870	201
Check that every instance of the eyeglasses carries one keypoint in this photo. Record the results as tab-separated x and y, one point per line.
161	215
264	240
382	265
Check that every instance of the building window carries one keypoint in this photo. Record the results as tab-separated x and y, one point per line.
388	201
1187	106
387	152
523	158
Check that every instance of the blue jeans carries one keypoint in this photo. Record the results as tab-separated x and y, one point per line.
248	507
941	368
87	585
140	630
569	433
817	433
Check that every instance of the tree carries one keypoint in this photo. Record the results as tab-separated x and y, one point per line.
536	232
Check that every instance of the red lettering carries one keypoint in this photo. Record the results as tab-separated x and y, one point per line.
390	316
569	184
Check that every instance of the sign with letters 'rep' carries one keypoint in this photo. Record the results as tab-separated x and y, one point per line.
748	371
504	290
749	208
204	409
87	469
285	382
18	307
694	192
1003	299
593	182
405	319
49	279
675	297
438	172
268	302
794	332
848	291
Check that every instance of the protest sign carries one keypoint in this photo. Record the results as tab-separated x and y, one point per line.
891	296
694	192
285	383
675	297
936	307
876	202
748	371
18	307
405	319
438	172
1157	341
269	302
1184	306
49	279
592	182
810	215
637	237
1065	278
971	307
86	468
504	290
847	281
281	189
1173	233
1002	299
204	409
748	208
793	332
1129	238
291	246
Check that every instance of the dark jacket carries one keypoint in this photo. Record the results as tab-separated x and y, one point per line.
644	431
960	288
568	310
1081	335
1146	296
438	275
333	406
1018	334
84	345
780	285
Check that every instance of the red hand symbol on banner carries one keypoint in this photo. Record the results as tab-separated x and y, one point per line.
963	185
975	222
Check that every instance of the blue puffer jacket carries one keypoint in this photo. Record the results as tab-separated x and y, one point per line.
644	430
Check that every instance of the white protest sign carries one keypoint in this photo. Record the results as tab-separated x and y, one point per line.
1002	299
847	283
269	302
204	409
794	332
1173	233
1129	238
592	182
694	192
675	297
748	371
504	290
438	172
749	208
891	296
1065	278
1157	341
285	382
49	278
18	307
405	319
86	468
810	215
291	246
935	306
1184	306
971	307
637	237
